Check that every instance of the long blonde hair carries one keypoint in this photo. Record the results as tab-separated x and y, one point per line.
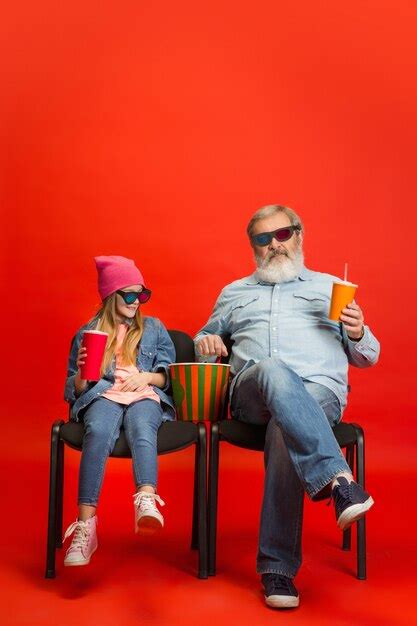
107	322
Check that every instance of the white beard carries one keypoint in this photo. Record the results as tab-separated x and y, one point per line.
278	267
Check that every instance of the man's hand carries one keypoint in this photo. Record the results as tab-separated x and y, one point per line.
136	381
352	318
211	345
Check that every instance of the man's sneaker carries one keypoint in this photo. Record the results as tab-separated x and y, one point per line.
84	542
280	592
350	501
147	517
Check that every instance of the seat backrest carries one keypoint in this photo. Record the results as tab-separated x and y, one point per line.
227	340
184	346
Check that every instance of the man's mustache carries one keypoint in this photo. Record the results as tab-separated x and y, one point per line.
277	252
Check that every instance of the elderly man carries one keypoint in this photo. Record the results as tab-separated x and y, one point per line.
289	364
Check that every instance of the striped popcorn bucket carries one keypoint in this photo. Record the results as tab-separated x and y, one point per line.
199	390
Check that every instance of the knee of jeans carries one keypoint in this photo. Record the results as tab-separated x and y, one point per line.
143	428
273	370
98	430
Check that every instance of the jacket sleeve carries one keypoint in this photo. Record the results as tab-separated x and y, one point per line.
362	353
165	354
69	391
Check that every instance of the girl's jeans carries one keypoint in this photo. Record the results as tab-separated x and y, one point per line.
102	423
301	453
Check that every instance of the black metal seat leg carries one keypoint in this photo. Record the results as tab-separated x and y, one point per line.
213	496
347	539
347	534
194	530
202	501
361	549
53	492
361	524
60	494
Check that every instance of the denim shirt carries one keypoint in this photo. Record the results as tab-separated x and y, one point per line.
155	352
289	321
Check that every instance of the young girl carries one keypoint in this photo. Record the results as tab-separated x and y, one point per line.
132	392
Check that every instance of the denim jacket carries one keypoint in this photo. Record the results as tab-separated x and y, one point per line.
155	352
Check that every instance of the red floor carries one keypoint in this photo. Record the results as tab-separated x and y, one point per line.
132	580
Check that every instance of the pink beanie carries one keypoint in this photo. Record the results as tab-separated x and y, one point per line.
116	272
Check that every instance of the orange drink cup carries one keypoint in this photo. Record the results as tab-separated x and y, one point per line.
342	294
199	390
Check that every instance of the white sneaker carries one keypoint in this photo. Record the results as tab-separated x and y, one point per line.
84	542
147	517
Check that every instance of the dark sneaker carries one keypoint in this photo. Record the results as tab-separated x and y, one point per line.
280	592
350	501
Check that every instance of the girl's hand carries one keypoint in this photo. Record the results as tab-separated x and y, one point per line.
80	385
136	381
81	356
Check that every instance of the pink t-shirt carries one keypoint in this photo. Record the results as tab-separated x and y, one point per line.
122	371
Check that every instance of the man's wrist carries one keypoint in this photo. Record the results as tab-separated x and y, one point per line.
360	336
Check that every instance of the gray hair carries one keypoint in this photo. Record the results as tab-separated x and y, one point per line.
272	209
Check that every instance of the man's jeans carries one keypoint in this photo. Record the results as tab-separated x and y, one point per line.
301	453
102	421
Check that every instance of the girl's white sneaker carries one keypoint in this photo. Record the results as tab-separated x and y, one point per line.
84	542
148	519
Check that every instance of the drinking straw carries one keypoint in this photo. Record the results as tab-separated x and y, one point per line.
346	270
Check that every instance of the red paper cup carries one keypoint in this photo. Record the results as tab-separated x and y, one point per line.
95	343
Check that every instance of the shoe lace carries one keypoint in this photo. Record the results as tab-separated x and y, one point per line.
279	581
81	532
340	494
146	501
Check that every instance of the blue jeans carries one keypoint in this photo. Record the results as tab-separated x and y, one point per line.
102	423
301	453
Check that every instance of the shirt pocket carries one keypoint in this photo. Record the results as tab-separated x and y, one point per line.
243	311
146	356
311	302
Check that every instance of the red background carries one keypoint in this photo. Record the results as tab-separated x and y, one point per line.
154	130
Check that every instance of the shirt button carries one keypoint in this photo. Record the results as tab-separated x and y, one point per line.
274	328
275	350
